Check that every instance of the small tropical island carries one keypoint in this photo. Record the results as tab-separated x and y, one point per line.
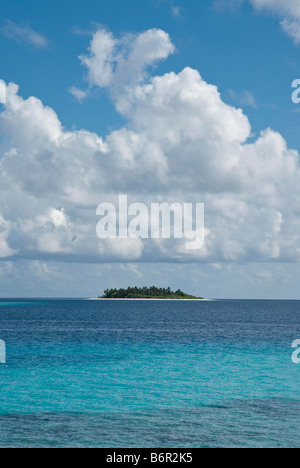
147	293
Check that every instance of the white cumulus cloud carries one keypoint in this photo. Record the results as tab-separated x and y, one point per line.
182	143
121	63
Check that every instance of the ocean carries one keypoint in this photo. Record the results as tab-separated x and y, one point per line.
149	374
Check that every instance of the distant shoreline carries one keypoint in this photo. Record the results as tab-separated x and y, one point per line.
148	293
145	299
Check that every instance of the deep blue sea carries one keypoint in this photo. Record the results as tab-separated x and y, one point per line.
149	374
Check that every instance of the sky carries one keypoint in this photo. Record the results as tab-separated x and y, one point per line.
164	101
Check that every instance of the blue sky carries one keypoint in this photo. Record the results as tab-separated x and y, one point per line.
236	51
250	52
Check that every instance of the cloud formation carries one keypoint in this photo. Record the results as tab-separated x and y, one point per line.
287	10
78	94
24	34
182	143
243	99
121	64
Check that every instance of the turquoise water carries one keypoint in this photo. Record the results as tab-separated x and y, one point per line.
149	374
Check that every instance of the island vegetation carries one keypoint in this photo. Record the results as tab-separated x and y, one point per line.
146	293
